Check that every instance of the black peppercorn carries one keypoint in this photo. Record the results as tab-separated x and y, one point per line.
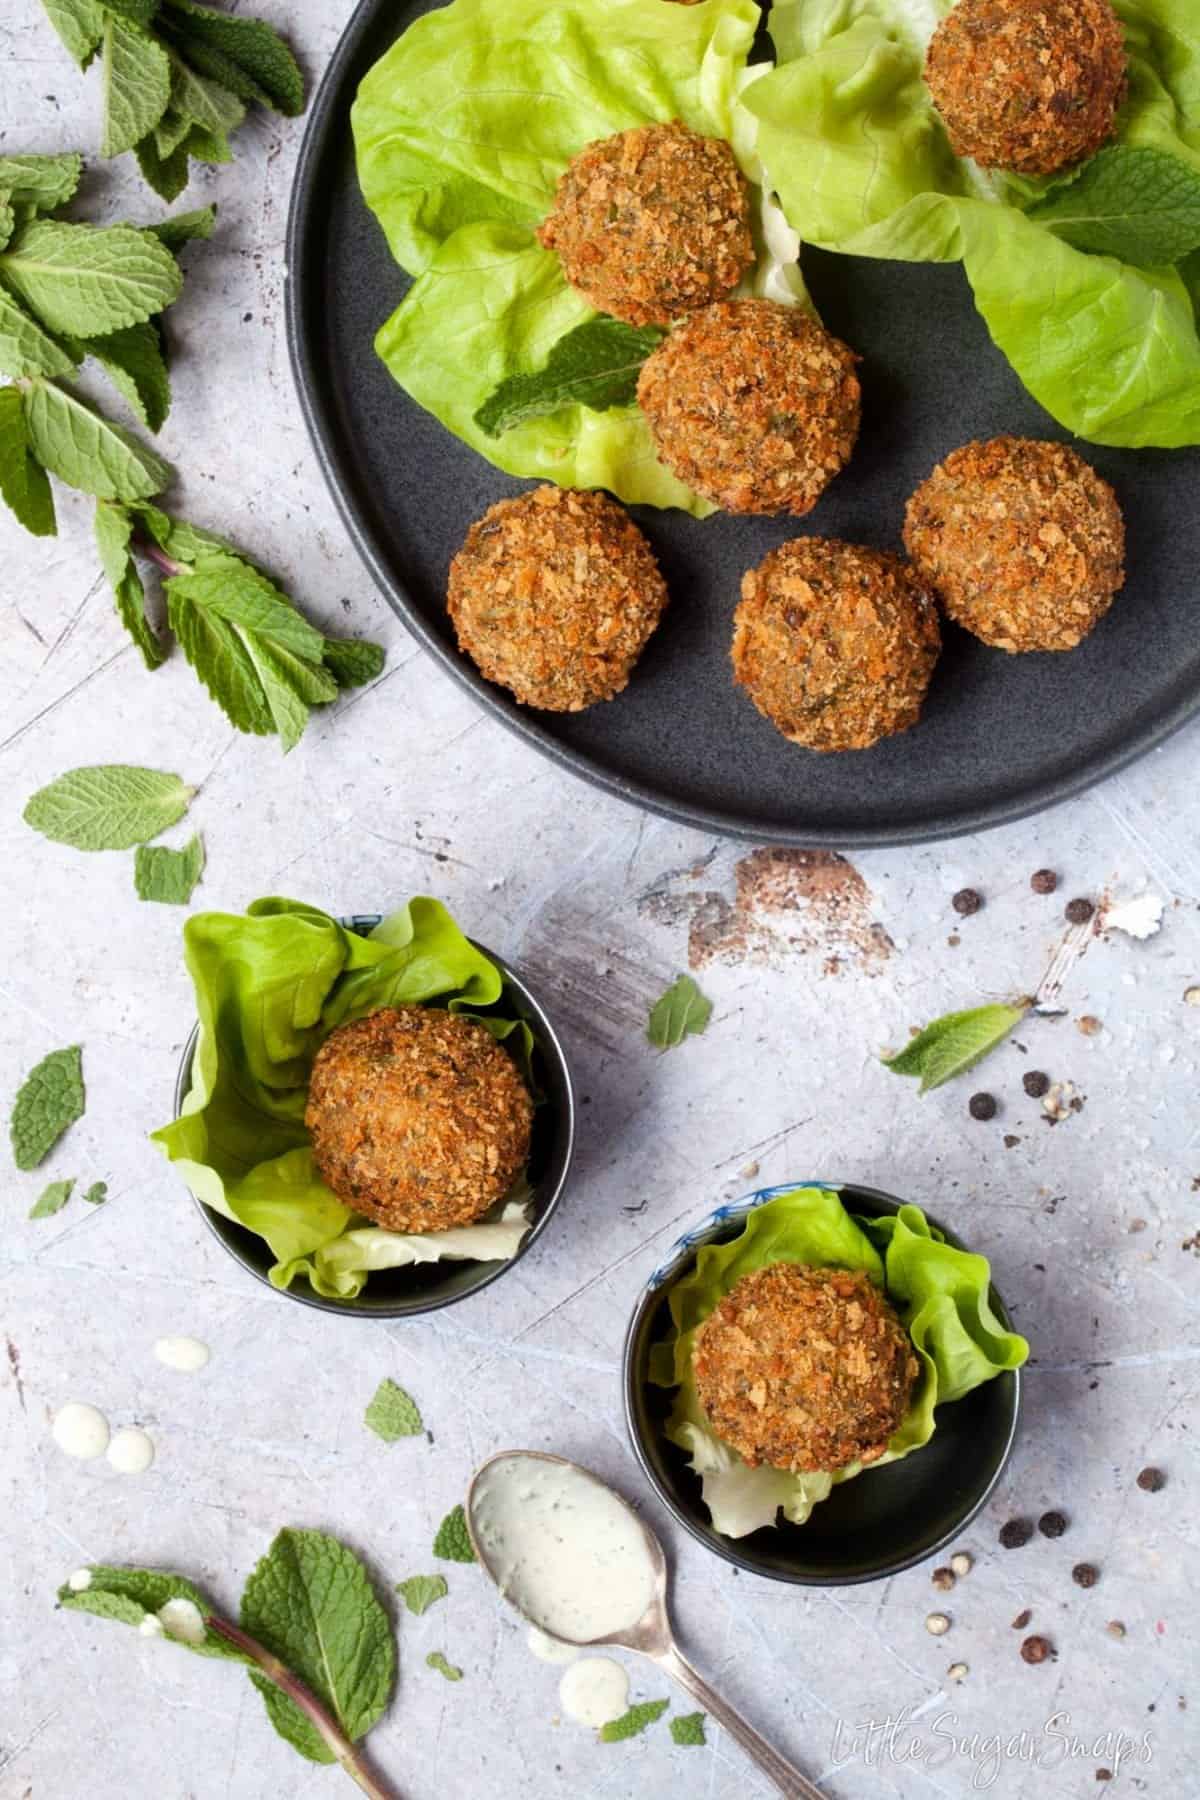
1035	1084
1079	911
1016	1533
1052	1524
982	1106
1151	1480
1043	881
1036	1650
1085	1575
967	901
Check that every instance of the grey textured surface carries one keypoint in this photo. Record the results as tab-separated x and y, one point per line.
813	968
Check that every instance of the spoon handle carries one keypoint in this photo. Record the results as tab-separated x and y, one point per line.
788	1779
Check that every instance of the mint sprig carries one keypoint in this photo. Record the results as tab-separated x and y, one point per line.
392	1413
596	365
50	1099
951	1045
1131	201
177	78
682	1011
168	876
108	806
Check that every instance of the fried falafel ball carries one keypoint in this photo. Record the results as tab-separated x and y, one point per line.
652	223
1023	542
1028	85
804	1368
418	1118
754	405
554	595
834	643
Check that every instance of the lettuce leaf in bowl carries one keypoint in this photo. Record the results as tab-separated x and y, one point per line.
858	156
461	133
940	1293
271	984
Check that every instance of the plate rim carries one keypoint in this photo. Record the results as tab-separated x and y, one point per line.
324	120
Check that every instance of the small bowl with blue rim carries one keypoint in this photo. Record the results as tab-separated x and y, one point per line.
886	1519
426	1287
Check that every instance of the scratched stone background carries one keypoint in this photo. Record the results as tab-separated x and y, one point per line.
814	964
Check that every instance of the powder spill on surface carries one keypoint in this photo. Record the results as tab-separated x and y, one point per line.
785	903
1140	917
80	1430
594	1691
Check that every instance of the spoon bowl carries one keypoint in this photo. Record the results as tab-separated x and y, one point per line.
650	1633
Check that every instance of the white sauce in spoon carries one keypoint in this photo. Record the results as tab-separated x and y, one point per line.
131	1451
564	1548
594	1691
187	1354
80	1430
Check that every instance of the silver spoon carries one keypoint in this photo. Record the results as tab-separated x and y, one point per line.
652	1637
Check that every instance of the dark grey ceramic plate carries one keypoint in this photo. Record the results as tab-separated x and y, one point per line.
1002	736
426	1287
885	1520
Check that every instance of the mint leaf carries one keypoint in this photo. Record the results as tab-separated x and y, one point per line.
237	47
683	1011
80	25
52	1199
50	1099
203	102
353	661
132	359
137	85
97	1194
436	1660
110	806
420	1592
634	1722
453	1540
8	219
138	12
688	1728
114	533
595	365
23	483
88	451
166	173
1129	201
393	1414
168	876
953	1044
86	279
25	349
185	228
129	1595
311	1602
41	183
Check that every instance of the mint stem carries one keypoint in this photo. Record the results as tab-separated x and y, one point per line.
146	547
291	1685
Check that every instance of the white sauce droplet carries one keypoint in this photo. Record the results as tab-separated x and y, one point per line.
187	1354
81	1430
564	1548
182	1619
151	1626
594	1691
549	1649
131	1451
80	1581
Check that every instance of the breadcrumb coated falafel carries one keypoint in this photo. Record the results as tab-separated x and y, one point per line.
1028	85
804	1368
652	223
554	595
834	643
1023	542
418	1118
754	405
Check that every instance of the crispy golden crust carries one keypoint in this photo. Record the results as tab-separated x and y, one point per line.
1029	85
418	1118
554	595
652	223
754	405
835	644
804	1369
1023	541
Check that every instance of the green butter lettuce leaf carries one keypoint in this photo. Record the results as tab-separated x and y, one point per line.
462	131
940	1293
854	147
270	986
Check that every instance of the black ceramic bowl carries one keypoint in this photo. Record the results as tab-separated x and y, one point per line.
886	1519
425	1287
